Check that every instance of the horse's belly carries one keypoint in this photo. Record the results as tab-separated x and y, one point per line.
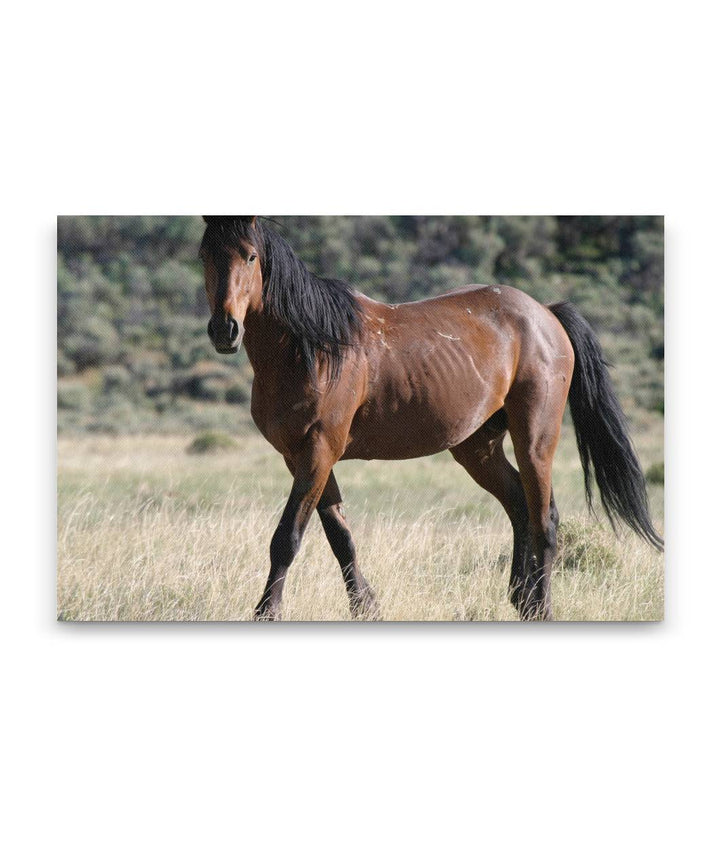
414	420
403	443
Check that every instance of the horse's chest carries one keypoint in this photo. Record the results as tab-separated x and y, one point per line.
282	419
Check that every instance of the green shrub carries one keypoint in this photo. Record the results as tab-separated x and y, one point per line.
65	365
73	395
115	378
237	394
656	473
584	547
93	342
209	442
205	381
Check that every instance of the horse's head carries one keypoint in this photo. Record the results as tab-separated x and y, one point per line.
233	279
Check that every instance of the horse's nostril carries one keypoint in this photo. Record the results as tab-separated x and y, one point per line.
223	332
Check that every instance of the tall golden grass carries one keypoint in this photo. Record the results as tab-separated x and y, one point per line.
147	532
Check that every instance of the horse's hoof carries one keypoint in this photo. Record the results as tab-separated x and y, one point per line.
365	608
535	612
266	612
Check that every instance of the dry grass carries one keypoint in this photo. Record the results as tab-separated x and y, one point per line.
148	533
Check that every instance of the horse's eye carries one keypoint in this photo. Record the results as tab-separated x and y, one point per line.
252	258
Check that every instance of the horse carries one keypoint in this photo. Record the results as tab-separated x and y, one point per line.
339	376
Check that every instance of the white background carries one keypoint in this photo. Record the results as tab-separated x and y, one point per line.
357	739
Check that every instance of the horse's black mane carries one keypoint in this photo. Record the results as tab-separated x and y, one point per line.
322	315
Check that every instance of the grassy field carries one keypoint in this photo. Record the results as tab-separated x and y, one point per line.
147	532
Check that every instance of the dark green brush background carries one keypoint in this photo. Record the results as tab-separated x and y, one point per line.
134	356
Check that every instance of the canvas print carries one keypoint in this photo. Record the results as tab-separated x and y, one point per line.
398	418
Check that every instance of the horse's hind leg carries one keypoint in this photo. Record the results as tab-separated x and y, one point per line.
483	457
332	515
535	434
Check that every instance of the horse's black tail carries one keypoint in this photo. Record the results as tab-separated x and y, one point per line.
601	430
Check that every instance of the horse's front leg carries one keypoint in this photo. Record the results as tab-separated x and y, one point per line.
311	468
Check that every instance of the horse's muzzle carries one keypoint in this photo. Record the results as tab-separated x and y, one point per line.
224	333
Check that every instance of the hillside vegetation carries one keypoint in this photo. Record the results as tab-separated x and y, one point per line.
134	357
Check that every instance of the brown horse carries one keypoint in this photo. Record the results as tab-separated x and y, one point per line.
341	376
